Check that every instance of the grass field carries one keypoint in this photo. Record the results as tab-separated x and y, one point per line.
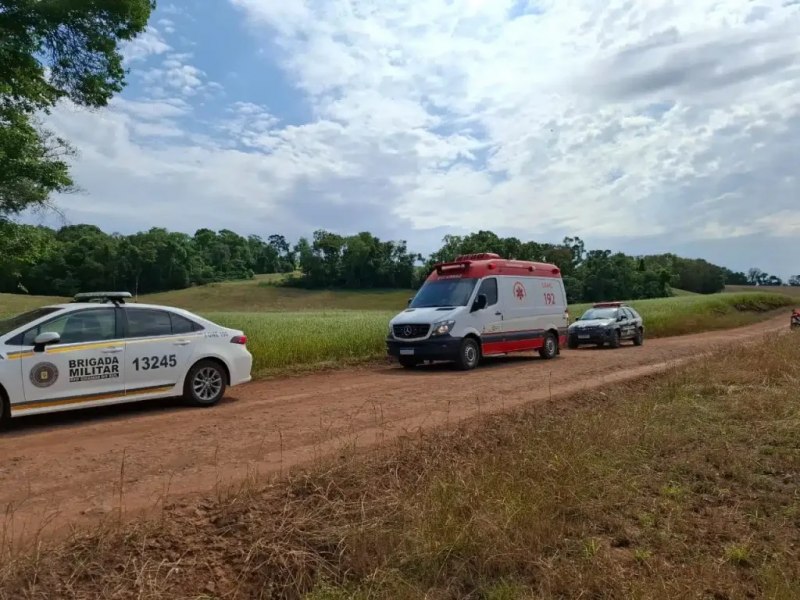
793	291
683	485
289	328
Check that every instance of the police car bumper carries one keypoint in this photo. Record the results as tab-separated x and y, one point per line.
590	337
435	348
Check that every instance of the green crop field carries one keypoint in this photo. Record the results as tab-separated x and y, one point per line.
290	328
793	291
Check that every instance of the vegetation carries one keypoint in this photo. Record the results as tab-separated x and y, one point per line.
52	50
314	331
38	260
792	291
679	486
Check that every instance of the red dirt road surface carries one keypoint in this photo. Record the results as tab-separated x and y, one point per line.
66	469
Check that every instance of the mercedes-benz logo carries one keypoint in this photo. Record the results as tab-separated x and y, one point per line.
407	330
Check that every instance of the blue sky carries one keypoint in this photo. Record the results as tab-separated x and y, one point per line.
642	127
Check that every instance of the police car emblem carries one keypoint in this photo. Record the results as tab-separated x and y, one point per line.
44	374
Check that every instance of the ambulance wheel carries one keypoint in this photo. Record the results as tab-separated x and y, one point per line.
550	347
469	355
408	362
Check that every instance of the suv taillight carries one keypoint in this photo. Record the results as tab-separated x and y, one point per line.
239	339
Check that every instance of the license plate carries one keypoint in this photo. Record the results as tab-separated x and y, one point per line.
407	351
583	337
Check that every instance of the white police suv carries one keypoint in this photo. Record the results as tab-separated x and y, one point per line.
98	350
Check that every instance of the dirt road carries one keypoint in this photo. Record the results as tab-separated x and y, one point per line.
67	468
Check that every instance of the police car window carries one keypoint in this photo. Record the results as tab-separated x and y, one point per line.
12	323
143	322
489	289
94	325
182	325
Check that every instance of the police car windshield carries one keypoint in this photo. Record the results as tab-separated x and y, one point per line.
444	292
599	313
9	325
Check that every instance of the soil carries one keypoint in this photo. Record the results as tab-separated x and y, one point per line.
78	468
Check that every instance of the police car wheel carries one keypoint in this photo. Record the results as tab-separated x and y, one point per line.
5	410
616	339
638	339
550	348
469	355
205	384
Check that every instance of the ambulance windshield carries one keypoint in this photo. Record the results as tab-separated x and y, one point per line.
444	292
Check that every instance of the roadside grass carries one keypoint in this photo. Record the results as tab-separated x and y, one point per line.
12	304
301	339
680	485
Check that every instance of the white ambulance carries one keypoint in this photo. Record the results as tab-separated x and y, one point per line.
482	305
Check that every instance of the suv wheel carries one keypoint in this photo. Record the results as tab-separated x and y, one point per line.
469	355
550	348
572	343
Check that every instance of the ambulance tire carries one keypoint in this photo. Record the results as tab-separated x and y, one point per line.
469	354
549	349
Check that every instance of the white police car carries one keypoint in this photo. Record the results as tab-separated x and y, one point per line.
98	350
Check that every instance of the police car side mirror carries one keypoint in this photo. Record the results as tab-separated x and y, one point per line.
480	303
410	300
45	339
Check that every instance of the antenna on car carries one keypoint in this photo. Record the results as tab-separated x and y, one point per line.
117	298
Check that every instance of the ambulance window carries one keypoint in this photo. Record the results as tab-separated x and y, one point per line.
489	289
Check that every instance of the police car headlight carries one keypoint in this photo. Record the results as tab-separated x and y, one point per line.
442	327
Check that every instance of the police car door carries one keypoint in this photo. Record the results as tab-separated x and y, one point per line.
85	366
155	358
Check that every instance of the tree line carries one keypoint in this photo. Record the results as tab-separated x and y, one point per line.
75	258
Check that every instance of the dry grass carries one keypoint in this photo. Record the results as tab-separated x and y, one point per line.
680	486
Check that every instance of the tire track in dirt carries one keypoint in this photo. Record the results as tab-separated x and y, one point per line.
66	469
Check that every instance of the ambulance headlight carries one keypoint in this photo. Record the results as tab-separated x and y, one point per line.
442	327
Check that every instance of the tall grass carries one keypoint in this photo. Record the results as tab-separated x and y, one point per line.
302	338
288	339
681	486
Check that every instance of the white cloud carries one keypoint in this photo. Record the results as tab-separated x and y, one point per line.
145	45
611	120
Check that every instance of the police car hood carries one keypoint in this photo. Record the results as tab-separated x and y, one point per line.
420	316
591	323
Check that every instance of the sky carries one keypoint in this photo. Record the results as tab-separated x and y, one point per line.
643	126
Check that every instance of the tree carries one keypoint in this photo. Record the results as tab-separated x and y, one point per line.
51	50
794	280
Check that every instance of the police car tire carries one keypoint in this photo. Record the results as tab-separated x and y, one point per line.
207	369
5	411
550	347
469	348
616	339
638	339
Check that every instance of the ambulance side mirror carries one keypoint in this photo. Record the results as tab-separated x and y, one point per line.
480	303
45	339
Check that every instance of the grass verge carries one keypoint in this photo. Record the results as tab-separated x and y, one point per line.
301	340
680	486
280	341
